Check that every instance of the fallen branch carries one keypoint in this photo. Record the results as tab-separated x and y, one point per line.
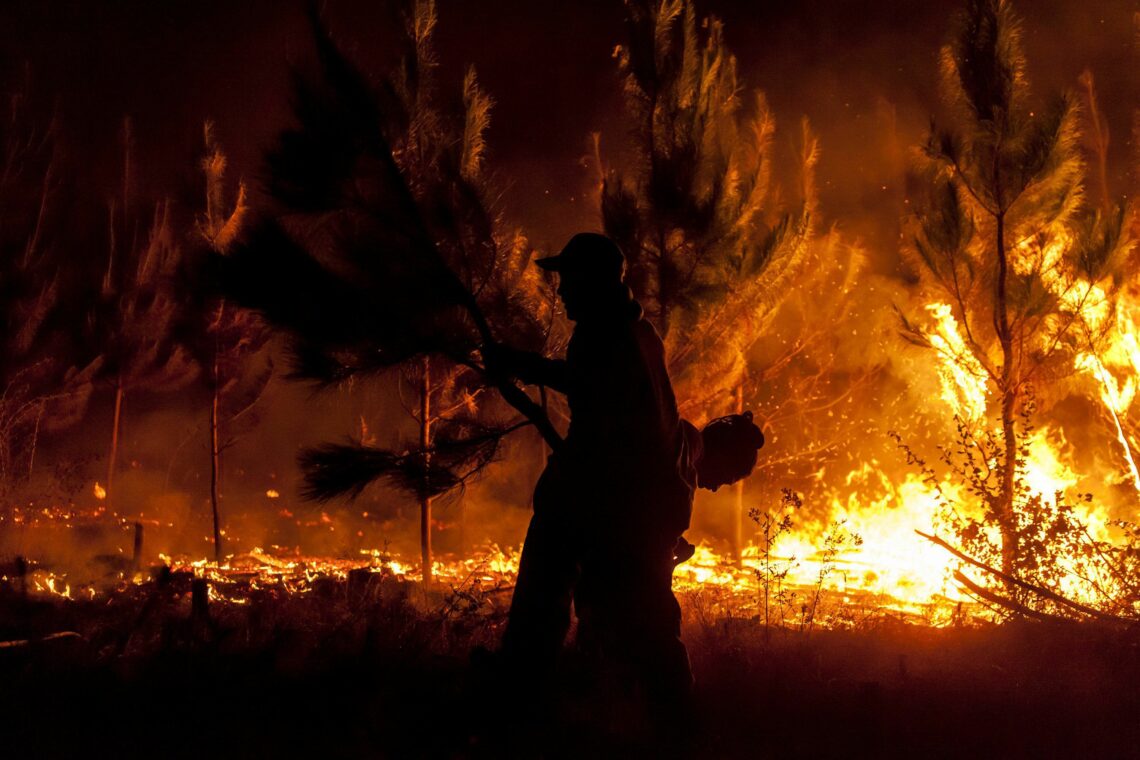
1009	604
18	643
1044	592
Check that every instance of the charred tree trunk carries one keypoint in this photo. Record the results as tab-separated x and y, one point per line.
215	467
114	457
215	451
35	440
22	575
136	554
425	499
1007	522
1006	518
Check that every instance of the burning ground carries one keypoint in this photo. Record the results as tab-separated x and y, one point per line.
903	238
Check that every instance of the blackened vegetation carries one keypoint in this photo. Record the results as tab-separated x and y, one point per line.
366	670
379	251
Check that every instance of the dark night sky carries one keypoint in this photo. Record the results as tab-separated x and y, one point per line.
843	63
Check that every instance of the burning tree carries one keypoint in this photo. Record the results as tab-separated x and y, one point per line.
137	306
1000	230
382	253
712	250
1111	360
39	387
698	217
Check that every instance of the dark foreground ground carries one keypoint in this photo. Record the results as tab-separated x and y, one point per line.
384	671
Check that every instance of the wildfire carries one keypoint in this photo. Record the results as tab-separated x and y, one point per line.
1106	327
890	570
1120	359
962	376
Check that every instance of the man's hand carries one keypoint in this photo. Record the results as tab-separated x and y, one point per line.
529	367
683	551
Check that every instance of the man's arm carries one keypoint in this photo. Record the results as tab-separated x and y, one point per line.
529	367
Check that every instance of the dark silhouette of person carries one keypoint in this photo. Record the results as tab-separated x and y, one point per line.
723	452
613	501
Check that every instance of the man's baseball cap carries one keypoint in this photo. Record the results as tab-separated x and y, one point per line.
587	253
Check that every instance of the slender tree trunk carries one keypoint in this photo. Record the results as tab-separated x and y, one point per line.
113	459
1007	523
1007	520
425	500
215	452
136	554
738	495
35	440
215	468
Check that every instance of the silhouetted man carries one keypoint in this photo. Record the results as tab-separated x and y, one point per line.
611	503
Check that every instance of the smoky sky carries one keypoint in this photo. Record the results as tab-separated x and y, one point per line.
864	74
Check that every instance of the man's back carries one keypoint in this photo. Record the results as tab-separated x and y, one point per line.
621	448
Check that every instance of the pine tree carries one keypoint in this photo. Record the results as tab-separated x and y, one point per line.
437	154
711	248
711	360
227	341
383	253
700	207
1001	230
